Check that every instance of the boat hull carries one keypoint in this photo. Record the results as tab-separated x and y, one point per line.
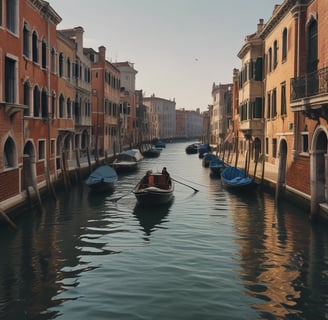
153	196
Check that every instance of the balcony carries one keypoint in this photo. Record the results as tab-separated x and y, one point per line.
309	94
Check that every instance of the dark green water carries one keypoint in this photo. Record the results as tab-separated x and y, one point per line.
208	255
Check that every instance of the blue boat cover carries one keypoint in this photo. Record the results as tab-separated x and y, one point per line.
104	174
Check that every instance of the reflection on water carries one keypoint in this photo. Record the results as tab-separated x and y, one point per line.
207	255
151	218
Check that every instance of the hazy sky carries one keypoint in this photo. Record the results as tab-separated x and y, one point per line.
178	47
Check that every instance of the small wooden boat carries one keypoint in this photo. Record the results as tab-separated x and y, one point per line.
216	167
192	148
154	189
127	160
236	179
102	178
207	158
151	153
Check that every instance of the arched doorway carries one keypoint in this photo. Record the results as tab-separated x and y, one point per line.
319	170
281	180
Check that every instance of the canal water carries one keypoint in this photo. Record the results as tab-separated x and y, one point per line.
208	255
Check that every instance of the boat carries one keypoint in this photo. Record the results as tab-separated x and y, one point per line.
202	149
102	178
160	144
154	189
207	158
216	167
192	148
236	179
127	160
151	153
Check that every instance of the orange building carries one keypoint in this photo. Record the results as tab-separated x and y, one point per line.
28	32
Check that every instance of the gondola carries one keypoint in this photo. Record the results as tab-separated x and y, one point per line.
102	179
216	167
154	189
151	153
236	179
207	158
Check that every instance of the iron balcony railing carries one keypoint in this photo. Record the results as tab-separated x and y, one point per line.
310	84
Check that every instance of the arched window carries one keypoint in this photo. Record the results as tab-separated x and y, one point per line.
312	46
61	106
35	56
44	54
284	44
9	154
61	64
68	105
26	98
44	103
36	102
68	68
53	60
26	40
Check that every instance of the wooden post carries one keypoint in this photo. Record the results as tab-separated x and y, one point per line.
6	218
89	161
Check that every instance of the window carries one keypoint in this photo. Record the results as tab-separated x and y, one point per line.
0	13
53	102
68	106
258	110
258	69
266	145
274	147
36	102
9	154
268	113
284	45
26	98
11	15
44	104
61	64
26	40
68	68
42	149
275	54
35	56
274	103
312	63
61	106
44	54
305	142
53	60
283	110
10	80
270	60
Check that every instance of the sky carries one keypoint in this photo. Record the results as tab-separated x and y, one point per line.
178	47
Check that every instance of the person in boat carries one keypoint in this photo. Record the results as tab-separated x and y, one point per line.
148	180
167	175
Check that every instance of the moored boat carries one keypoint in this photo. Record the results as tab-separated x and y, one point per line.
102	178
192	148
127	160
236	179
207	158
216	167
202	149
160	144
154	189
151	153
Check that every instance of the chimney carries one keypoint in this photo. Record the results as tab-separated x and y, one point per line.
102	53
260	25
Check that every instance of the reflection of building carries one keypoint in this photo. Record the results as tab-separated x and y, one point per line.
162	115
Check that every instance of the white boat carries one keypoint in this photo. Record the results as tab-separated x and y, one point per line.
127	160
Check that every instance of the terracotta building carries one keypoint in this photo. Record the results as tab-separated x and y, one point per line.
106	86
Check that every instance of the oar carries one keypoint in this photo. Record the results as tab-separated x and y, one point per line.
185	185
119	198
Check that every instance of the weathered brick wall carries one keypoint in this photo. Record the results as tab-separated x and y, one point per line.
298	175
40	171
9	186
